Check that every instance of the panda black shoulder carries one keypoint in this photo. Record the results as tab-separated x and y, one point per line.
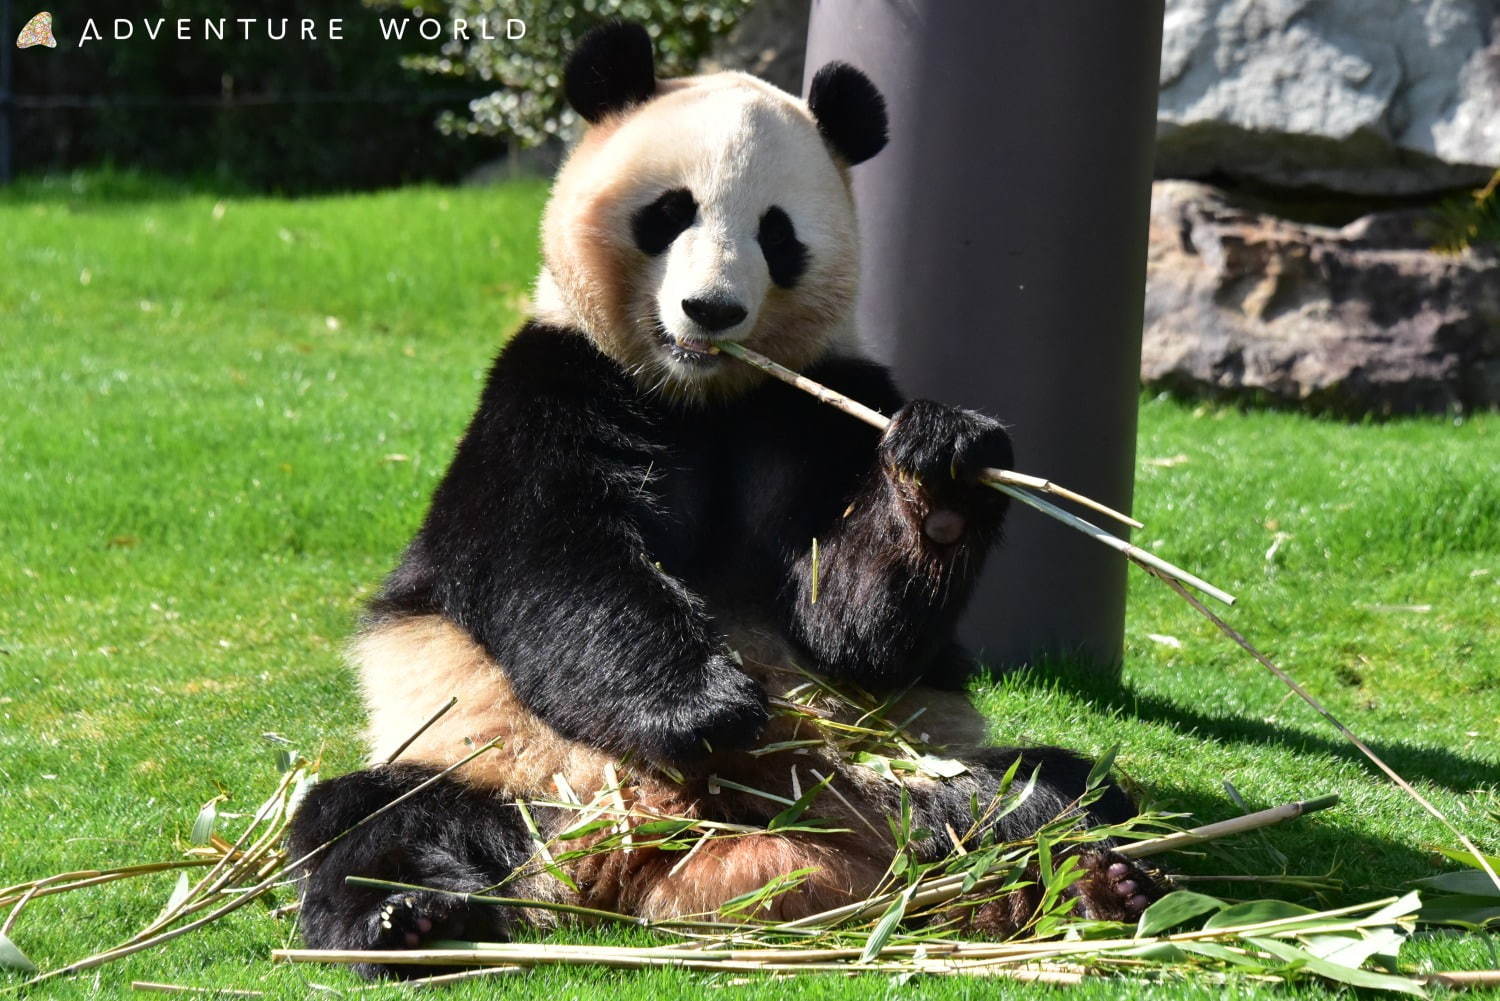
540	359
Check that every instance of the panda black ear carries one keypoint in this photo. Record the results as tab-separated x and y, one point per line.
849	110
611	68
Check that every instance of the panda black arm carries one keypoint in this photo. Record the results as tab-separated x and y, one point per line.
534	545
896	567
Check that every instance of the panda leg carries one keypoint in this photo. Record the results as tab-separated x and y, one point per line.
448	836
1113	888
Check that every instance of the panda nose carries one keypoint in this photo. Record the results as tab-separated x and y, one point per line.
713	313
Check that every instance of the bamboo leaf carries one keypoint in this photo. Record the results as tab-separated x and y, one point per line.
179	894
793	813
1157	952
1253	912
1174	909
942	768
1022	796
1213	950
1301	958
1464	858
583	830
1460	909
886	926
12	958
763	895
1473	883
662	828
1356	950
203	827
877	763
1101	768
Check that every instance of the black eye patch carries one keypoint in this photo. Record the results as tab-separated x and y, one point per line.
655	226
785	255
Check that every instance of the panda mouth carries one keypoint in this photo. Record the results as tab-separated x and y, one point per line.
698	352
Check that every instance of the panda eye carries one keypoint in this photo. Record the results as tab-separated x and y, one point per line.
656	225
785	255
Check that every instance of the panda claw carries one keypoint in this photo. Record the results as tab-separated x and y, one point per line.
405	922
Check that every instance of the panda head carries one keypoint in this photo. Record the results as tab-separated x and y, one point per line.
704	209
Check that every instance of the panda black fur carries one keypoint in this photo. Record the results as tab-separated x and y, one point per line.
618	564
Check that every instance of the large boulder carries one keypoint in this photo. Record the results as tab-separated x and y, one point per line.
1361	96
1360	319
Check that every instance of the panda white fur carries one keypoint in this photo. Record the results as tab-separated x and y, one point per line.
616	574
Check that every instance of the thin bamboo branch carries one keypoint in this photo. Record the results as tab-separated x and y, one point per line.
1224	828
422	729
240	900
876	419
545	905
1463	978
1005	481
93	877
222	992
1348	734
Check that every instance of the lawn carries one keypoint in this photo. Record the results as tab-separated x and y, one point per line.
222	417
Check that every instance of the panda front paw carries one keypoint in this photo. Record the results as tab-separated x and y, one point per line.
408	920
939	451
725	711
411	920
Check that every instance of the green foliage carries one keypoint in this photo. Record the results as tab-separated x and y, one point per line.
1470	220
283	115
527	103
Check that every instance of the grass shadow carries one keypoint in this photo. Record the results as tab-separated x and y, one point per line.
1318	845
1106	692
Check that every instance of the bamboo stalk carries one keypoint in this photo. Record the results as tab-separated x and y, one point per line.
945	888
1006	481
222	992
1173	576
1224	828
1464	978
876	419
93	877
1343	730
236	902
641	959
453	701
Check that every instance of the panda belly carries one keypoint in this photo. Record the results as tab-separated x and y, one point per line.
410	667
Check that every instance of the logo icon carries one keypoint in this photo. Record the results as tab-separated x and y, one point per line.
38	31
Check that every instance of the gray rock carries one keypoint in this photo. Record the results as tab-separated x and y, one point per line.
770	41
1362	96
1359	319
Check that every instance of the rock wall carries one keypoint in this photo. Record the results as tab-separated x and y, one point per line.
1361	319
1362	96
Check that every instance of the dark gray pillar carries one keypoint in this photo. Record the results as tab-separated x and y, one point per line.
1004	234
6	41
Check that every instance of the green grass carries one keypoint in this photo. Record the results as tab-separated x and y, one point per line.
222	419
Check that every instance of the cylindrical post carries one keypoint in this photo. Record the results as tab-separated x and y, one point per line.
1004	261
6	41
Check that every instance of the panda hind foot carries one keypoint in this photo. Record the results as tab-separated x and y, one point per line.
411	920
1113	888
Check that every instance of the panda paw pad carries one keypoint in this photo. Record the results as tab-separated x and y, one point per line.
404	921
1115	888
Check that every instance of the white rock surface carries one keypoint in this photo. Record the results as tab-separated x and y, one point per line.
1364	96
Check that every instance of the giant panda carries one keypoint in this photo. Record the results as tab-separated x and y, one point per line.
643	549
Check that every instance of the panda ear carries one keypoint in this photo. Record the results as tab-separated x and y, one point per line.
610	69
849	110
